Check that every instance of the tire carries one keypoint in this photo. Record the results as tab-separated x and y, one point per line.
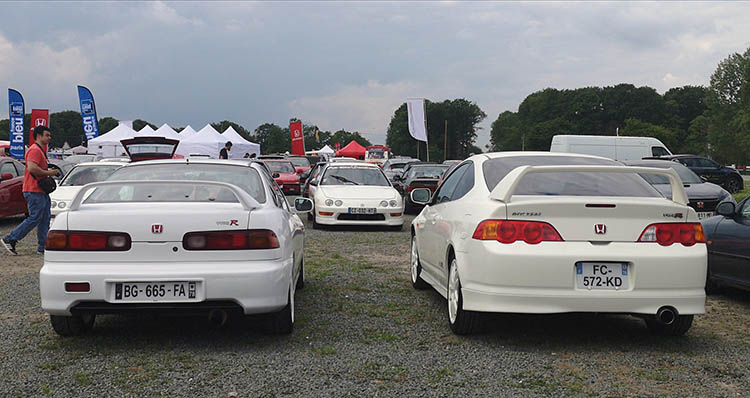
74	325
461	322
301	278
679	327
734	185
408	206
309	217
416	267
282	322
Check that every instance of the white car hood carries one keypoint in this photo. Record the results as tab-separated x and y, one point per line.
357	192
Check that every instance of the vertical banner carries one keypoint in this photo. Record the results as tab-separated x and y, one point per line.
88	113
298	141
417	121
39	117
16	112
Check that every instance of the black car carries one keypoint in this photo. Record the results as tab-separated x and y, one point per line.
728	240
711	171
702	196
419	175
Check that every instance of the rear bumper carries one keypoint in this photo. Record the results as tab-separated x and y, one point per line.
541	278
254	287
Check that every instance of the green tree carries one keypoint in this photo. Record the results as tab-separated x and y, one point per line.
138	124
225	124
637	128
272	138
106	124
344	137
506	133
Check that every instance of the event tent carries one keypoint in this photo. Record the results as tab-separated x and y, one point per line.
187	132
108	144
207	141
240	146
146	131
352	150
166	132
325	152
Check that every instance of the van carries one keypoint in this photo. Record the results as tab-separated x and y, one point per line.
616	148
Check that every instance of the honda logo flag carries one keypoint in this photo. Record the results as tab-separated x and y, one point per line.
298	140
416	114
16	112
88	113
39	117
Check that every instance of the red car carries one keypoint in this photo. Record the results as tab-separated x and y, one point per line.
284	174
11	188
301	163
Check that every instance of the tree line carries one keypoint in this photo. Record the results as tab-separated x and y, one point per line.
66	127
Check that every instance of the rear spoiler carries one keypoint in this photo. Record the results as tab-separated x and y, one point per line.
247	201
504	189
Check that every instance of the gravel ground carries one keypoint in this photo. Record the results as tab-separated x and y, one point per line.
363	331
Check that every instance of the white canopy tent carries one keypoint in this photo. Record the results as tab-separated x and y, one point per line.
146	131
207	141
166	132
240	146
324	152
187	132
108	145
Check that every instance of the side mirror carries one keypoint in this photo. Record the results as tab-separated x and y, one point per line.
303	205
6	176
420	196
726	209
314	182
275	175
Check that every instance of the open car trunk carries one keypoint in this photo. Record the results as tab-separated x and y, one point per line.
150	148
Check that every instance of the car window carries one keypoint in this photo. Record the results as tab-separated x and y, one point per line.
20	168
708	163
280	167
352	175
445	192
465	184
690	162
745	211
8	168
83	175
659	151
567	184
128	191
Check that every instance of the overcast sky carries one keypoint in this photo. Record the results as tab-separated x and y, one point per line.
349	65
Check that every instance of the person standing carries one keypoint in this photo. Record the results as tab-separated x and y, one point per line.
37	201
224	153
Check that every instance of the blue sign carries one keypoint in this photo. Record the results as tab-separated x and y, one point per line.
88	113
16	113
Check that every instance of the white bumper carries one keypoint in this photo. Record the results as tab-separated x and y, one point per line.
257	286
386	216
541	278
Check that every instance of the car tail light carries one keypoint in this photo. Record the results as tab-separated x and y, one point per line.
252	239
666	234
87	241
77	287
509	231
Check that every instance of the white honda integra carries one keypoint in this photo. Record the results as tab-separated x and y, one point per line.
175	236
355	193
540	232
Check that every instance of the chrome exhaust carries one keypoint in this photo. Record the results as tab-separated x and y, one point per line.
666	315
218	317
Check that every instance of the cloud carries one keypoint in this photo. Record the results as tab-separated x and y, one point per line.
161	12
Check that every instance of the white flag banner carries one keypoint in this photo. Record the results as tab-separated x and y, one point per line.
417	128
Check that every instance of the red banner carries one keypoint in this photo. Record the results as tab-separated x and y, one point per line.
39	117
298	141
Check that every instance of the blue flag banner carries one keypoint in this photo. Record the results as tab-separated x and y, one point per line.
16	114
88	113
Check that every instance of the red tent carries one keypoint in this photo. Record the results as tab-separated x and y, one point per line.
352	150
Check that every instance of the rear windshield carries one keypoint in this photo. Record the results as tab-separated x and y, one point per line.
242	176
280	167
567	184
354	176
175	192
300	162
427	172
83	175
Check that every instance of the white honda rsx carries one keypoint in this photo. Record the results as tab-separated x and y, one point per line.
540	232
176	236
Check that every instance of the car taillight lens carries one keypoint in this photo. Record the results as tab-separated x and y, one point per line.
252	239
509	231
87	241
666	234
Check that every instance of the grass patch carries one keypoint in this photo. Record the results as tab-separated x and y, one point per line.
51	366
653	375
743	193
440	375
325	350
46	390
534	382
83	379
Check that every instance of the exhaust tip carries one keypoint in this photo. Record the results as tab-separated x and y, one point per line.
218	317
666	315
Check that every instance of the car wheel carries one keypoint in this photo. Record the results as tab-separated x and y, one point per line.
679	327
73	325
460	320
282	322
416	268
734	185
301	277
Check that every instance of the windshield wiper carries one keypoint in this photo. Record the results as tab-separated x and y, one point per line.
344	179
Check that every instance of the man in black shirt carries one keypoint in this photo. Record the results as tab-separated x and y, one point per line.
224	154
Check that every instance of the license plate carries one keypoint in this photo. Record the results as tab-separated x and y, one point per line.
705	214
602	275
155	291
361	210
